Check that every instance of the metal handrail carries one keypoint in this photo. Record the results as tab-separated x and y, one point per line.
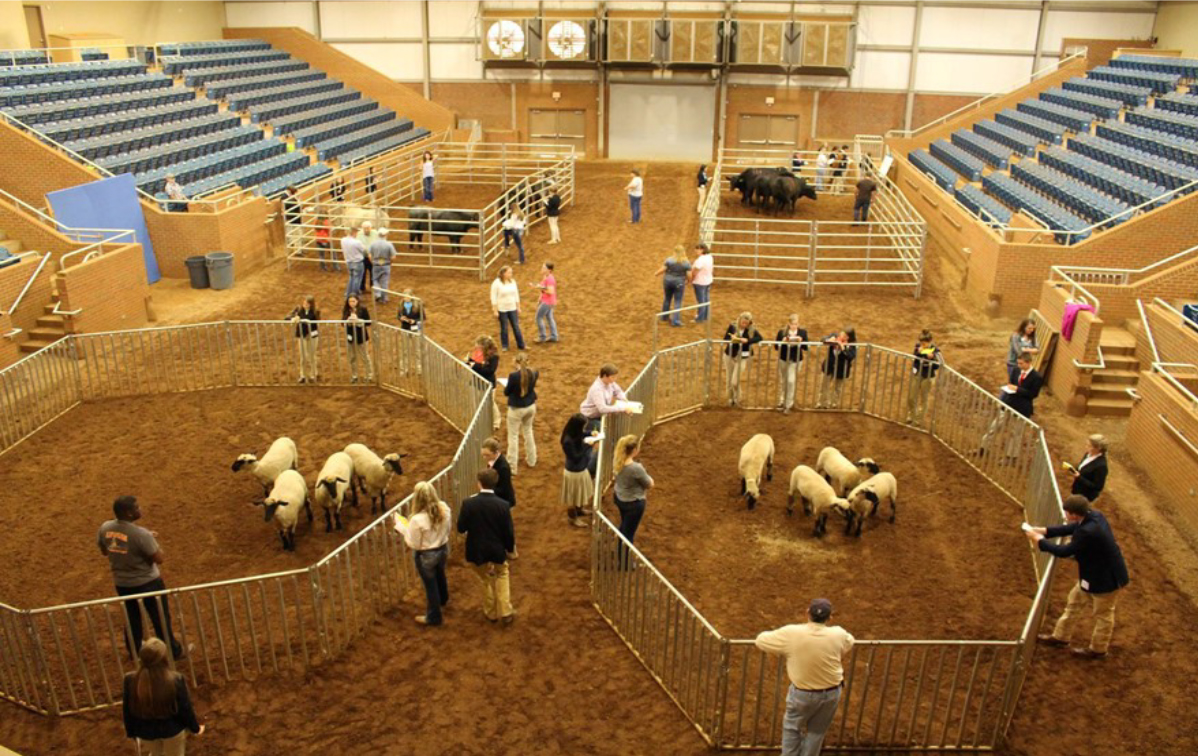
976	104
33	277
1156	355
62	228
11	57
1163	369
97	248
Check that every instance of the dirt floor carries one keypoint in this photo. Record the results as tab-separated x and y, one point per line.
559	681
747	570
175	452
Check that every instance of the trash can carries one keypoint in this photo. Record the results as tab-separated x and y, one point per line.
197	271
220	269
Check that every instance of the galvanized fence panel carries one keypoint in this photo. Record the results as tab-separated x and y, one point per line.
759	383
154	360
397	359
36	390
441	376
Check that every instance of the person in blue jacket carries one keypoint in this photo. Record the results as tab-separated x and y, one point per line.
1101	572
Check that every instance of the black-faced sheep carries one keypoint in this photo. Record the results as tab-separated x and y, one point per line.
865	498
334	480
837	470
282	455
817	497
756	462
372	474
287	496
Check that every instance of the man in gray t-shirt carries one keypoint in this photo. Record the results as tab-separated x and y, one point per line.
381	252
134	556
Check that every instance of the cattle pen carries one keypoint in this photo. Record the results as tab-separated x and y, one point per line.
887	251
387	192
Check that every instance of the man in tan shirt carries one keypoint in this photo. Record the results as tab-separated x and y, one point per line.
815	655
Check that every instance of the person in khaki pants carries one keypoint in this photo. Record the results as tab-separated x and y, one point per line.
486	520
521	393
1101	574
923	377
306	331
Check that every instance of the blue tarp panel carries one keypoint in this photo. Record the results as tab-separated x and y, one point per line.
107	203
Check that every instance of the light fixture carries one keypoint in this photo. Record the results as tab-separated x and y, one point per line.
557	96
769	101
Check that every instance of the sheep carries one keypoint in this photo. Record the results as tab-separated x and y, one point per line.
283	503
372	475
864	499
335	477
282	455
756	457
868	465
817	497
837	470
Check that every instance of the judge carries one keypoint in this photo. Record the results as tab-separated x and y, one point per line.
1089	476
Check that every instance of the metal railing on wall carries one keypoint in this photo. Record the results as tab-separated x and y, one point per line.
911	695
71	658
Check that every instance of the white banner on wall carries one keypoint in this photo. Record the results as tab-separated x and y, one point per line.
662	122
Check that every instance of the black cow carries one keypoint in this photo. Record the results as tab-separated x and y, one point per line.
785	191
452	224
754	184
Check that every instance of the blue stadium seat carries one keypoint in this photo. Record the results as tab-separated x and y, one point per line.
1044	131
1019	141
162	156
1126	93
197	169
1103	107
85	128
993	153
938	171
1157	82
362	138
1083	200
1122	186
180	64
1069	228
1163	120
1175	148
207	75
957	159
1184	67
1074	120
276	186
315	135
254	97
294	123
67	109
138	139
382	145
989	210
1177	102
1146	165
270	112
28	95
220	90
214	46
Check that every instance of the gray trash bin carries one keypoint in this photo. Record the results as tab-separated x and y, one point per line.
220	269
197	271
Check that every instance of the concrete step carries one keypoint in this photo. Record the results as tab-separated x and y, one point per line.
57	322
47	334
1109	407
29	346
1120	362
1117	341
1108	376
1108	391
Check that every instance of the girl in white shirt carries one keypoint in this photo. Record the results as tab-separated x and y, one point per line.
513	229
427	535
427	175
636	192
505	303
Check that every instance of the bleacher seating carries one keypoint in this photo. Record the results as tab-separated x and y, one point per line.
75	90
220	90
276	186
939	172
197	169
57	72
159	156
1083	200
61	110
382	145
1011	193
248	176
22	57
1137	162
293	123
203	77
92	53
214	46
245	100
1019	141
335	148
1184	67
313	135
992	152
1157	82
989	210
1074	120
270	112
1122	186
1180	103
1175	148
137	139
86	128
1042	130
1128	94
1163	120
175	65
1103	107
957	159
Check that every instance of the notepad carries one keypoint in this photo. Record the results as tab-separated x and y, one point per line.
624	405
592	440
501	382
1026	528
1008	390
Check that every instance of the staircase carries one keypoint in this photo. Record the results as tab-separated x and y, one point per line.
1109	385
12	245
50	327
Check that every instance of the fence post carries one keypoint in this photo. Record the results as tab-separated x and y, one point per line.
707	365
923	250
812	245
41	668
232	354
721	696
74	350
865	379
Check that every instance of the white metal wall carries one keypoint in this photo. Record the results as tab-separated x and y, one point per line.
960	47
662	122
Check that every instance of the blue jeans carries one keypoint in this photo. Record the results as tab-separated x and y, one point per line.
674	291
357	273
815	711
702	297
546	323
430	565
594	424
510	235
631	513
513	318
427	183
326	256
382	280
863	207
635	204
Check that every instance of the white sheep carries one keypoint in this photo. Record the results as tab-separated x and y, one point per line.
864	499
372	474
334	479
756	462
283	503
282	455
837	470
817	497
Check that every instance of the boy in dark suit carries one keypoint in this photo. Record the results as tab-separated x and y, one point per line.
1089	477
497	462
486	520
1024	386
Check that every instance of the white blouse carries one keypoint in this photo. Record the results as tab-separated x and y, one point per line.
426	169
505	297
512	223
420	535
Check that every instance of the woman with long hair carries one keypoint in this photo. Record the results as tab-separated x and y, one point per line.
701	181
411	312
1023	340
484	360
632	484
842	350
505	303
427	534
427	175
521	393
357	334
791	343
513	230
675	273
155	704
577	486
738	354
306	331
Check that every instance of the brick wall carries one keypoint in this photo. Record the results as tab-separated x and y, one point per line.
32	231
403	100
29	169
1176	283
111	290
1176	341
12	279
929	107
9	351
239	229
1172	466
1066	379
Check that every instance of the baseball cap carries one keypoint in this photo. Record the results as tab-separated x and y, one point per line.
820	609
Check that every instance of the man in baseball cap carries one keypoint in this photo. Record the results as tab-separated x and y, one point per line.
381	253
815	655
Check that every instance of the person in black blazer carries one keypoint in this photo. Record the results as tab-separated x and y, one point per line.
486	520
1101	574
497	462
838	366
1089	477
357	336
307	331
1023	387
738	353
792	342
